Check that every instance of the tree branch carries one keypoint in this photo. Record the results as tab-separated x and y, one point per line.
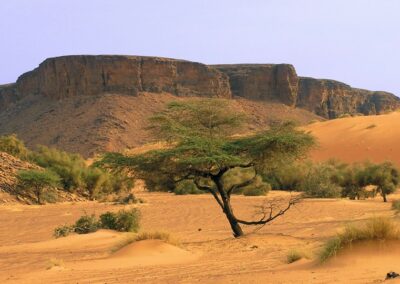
268	212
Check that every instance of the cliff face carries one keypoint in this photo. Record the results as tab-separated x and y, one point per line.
327	98
71	76
331	99
84	75
267	82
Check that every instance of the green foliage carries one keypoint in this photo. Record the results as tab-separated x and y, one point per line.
108	220
396	206
13	146
128	220
63	231
70	167
123	220
201	142
76	175
385	176
319	182
379	228
37	181
86	224
187	187
286	176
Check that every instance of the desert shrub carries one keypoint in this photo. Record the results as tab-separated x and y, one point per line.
128	220
70	167
379	228
259	187
294	255
286	176
320	182
158	182
108	220
13	146
50	196
123	220
186	187
76	175
63	231
396	205
129	198
86	224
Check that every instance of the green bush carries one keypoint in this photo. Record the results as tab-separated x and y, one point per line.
122	221
396	205
13	146
128	220
63	231
86	224
187	187
320	183
257	188
108	220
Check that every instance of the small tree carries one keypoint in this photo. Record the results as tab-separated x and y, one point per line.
37	181
385	176
202	148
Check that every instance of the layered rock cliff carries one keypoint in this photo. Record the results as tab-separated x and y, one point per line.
327	98
268	82
85	75
332	99
70	76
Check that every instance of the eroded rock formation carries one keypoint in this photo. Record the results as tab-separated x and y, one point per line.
85	75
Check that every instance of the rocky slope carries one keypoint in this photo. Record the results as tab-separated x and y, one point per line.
111	122
89	104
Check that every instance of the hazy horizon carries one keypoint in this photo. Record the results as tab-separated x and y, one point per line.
352	41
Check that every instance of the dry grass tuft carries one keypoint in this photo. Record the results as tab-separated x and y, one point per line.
379	228
156	235
55	262
295	255
396	206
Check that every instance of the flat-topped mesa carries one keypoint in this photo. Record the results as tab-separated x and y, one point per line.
331	99
92	75
267	82
88	75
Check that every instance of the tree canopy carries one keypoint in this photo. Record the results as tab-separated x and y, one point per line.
204	145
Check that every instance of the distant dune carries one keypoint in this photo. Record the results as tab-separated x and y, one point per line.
356	139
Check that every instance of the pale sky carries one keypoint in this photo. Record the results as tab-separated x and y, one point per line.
354	41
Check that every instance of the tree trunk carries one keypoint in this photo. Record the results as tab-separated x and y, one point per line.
227	209
39	201
384	197
237	230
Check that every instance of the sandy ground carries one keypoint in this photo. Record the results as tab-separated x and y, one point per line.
373	138
208	253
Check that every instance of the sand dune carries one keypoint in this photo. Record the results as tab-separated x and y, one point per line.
29	253
356	139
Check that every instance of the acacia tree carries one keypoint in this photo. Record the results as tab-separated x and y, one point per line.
385	176
202	147
37	181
